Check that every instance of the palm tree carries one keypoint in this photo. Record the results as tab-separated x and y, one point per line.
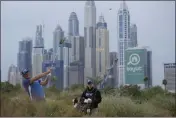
164	83
53	79
146	81
62	41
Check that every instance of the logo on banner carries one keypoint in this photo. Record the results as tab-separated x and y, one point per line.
134	60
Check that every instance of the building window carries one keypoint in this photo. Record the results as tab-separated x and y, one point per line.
121	46
121	18
121	24
121	35
121	30
99	61
99	41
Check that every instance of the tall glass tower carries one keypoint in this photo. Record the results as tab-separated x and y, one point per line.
90	39
123	33
73	25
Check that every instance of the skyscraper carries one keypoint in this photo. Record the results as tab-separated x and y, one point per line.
123	33
39	41
76	73
102	23
102	47
73	25
133	35
169	75
58	35
114	71
90	39
149	68
78	49
45	55
24	56
0	60
13	75
48	55
64	55
38	51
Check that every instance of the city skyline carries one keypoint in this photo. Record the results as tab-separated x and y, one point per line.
145	42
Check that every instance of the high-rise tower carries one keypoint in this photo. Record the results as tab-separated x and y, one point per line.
90	39
133	35
13	75
102	24
24	56
38	51
58	35
102	47
73	25
123	33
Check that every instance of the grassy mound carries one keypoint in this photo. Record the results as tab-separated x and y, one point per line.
123	102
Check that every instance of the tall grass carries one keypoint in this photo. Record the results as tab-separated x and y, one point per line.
124	102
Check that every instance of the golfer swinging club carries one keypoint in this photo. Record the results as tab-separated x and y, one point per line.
33	86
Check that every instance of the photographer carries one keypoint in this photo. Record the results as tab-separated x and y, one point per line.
92	95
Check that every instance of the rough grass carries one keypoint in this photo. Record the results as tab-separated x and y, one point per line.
59	104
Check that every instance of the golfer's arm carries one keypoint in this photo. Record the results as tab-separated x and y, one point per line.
39	76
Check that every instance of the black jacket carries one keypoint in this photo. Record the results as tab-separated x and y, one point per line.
93	94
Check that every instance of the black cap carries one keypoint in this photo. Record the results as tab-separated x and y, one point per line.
89	82
25	71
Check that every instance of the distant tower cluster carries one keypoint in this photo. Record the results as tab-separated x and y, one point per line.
74	58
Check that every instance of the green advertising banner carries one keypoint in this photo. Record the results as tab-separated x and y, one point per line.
135	63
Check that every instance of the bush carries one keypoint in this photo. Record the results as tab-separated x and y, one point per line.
165	102
124	107
76	87
131	90
124	102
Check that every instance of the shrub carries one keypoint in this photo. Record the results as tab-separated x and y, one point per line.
128	101
131	90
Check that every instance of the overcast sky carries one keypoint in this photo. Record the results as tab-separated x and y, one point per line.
155	22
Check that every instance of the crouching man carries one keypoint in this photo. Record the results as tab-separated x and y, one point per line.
91	95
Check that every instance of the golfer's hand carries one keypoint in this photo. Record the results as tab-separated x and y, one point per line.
49	70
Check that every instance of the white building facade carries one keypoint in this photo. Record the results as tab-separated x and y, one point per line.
90	40
123	34
102	48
